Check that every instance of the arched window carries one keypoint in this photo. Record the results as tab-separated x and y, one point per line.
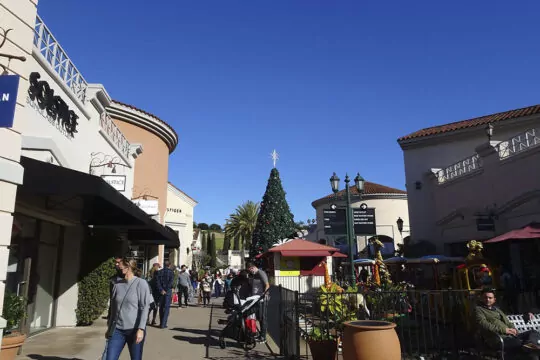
388	245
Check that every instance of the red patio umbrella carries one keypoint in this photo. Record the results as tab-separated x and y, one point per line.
531	231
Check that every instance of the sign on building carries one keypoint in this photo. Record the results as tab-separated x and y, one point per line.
364	221
116	181
151	207
9	84
334	222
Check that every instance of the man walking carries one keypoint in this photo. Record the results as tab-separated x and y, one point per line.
165	280
259	284
183	286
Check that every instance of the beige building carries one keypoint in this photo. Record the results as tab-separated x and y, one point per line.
390	204
179	217
464	185
67	174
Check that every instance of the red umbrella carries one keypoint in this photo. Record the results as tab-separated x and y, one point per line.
531	231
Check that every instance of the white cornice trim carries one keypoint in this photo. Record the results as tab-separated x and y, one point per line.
181	195
381	196
44	143
145	121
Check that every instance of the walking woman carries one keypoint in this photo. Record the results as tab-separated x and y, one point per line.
130	303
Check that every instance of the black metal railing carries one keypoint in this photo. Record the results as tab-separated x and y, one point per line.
429	323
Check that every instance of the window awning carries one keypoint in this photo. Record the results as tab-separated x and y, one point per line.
103	205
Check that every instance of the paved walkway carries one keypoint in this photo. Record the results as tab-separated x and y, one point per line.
192	334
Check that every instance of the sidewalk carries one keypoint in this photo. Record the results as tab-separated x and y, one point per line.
192	334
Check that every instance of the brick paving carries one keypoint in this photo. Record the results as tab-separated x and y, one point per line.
192	334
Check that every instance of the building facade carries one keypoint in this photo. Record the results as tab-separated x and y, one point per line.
158	140
67	175
463	184
390	205
179	217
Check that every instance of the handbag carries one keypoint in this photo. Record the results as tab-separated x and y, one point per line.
112	323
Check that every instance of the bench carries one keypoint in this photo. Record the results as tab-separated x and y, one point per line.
521	326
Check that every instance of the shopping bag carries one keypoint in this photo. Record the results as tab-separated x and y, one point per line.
175	298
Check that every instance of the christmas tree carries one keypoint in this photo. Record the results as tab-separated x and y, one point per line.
275	221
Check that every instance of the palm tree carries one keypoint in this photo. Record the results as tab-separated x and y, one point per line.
242	223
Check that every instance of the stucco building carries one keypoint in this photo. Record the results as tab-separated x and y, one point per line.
179	217
464	183
67	174
389	203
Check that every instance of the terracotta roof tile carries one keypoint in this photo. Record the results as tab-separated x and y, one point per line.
479	121
301	245
369	189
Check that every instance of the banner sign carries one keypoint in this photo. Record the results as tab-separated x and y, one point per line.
9	85
116	181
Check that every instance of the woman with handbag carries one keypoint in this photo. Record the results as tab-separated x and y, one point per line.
129	304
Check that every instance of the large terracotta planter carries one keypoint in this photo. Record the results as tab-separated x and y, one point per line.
370	340
11	345
323	349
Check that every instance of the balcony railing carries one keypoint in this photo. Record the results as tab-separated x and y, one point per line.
518	143
466	166
114	134
48	46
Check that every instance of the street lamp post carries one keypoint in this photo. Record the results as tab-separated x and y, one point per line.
349	220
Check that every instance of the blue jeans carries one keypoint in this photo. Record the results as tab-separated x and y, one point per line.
164	307
119	339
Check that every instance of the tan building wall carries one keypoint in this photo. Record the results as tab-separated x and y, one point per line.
151	173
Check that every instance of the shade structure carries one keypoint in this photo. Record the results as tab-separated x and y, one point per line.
339	255
396	260
364	262
530	231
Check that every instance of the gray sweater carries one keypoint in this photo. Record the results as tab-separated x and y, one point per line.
184	278
134	311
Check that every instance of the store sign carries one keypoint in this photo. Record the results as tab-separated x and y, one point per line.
174	210
334	221
151	207
9	84
116	181
54	107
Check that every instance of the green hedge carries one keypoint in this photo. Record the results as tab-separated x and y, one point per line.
94	293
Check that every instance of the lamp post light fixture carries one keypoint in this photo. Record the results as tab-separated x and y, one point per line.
399	223
489	131
349	221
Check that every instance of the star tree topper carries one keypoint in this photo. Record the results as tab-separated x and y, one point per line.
275	157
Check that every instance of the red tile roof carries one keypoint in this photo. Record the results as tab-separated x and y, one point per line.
479	121
369	189
301	245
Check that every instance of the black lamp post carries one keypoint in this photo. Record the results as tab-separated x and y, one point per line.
349	222
489	131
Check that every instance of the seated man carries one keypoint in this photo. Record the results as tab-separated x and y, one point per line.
491	321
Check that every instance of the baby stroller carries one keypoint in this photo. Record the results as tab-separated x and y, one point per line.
241	324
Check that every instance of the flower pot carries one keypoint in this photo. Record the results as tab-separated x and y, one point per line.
323	349
370	340
10	345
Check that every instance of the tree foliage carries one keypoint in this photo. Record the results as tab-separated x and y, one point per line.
203	226
275	221
215	227
226	242
212	250
241	224
204	241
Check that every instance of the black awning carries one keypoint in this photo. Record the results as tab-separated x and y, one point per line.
103	205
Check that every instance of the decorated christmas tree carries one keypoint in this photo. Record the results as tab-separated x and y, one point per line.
275	220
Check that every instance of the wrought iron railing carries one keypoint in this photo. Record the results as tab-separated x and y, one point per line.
48	46
466	166
114	134
518	143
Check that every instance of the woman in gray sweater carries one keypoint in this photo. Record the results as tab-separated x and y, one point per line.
130	303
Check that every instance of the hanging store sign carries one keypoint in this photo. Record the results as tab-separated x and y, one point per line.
364	221
151	207
116	181
52	106
9	84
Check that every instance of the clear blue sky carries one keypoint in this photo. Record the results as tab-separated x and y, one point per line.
330	85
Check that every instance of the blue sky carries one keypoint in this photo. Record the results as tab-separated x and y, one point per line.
330	85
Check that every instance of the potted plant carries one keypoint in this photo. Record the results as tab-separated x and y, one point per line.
322	344
13	313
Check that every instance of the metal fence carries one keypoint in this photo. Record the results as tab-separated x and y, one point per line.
430	324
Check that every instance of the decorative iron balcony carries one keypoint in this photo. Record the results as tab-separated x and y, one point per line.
114	134
466	166
48	46
518	143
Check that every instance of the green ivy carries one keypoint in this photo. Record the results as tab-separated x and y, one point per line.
94	293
